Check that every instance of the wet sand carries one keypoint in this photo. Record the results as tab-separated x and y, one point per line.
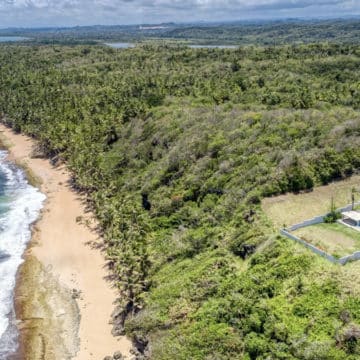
64	255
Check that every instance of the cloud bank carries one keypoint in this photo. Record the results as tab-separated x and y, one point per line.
88	12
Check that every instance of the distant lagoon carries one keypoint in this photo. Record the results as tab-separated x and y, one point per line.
121	45
124	45
12	38
213	46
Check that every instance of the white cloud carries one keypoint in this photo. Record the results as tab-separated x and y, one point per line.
79	12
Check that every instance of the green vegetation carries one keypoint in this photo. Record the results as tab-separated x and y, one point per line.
333	215
293	208
336	239
175	148
239	33
345	230
269	32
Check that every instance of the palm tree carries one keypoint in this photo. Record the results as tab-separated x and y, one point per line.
353	191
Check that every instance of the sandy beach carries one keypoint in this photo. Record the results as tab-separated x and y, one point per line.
66	253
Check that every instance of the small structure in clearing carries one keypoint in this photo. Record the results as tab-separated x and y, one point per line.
338	240
351	217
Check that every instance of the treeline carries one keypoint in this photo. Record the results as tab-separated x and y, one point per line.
271	32
175	148
239	33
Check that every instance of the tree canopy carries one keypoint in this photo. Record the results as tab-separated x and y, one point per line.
175	148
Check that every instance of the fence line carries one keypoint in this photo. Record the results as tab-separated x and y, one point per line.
313	221
310	246
318	220
353	257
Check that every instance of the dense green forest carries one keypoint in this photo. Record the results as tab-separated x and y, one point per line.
239	33
175	147
269	32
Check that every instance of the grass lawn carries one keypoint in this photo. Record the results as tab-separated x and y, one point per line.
336	239
290	209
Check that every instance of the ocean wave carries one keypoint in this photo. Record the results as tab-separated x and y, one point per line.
4	256
20	207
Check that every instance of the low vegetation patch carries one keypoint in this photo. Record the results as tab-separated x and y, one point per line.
290	209
335	239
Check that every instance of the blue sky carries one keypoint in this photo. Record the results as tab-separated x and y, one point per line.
33	13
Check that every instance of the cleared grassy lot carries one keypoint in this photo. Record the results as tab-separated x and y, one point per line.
290	209
336	239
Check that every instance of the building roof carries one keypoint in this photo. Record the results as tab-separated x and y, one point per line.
353	215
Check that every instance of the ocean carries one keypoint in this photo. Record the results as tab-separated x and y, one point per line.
20	204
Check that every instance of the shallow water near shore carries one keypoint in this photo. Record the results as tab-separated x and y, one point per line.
20	205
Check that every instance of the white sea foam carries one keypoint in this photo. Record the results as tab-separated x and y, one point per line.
21	204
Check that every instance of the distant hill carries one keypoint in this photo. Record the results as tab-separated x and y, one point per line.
260	32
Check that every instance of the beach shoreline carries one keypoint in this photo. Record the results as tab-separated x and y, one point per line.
71	314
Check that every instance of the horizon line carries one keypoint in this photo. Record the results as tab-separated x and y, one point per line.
197	22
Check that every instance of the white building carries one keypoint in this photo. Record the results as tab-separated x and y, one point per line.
351	217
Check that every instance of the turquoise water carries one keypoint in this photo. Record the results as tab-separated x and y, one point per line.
4	200
213	46
20	205
120	45
12	38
